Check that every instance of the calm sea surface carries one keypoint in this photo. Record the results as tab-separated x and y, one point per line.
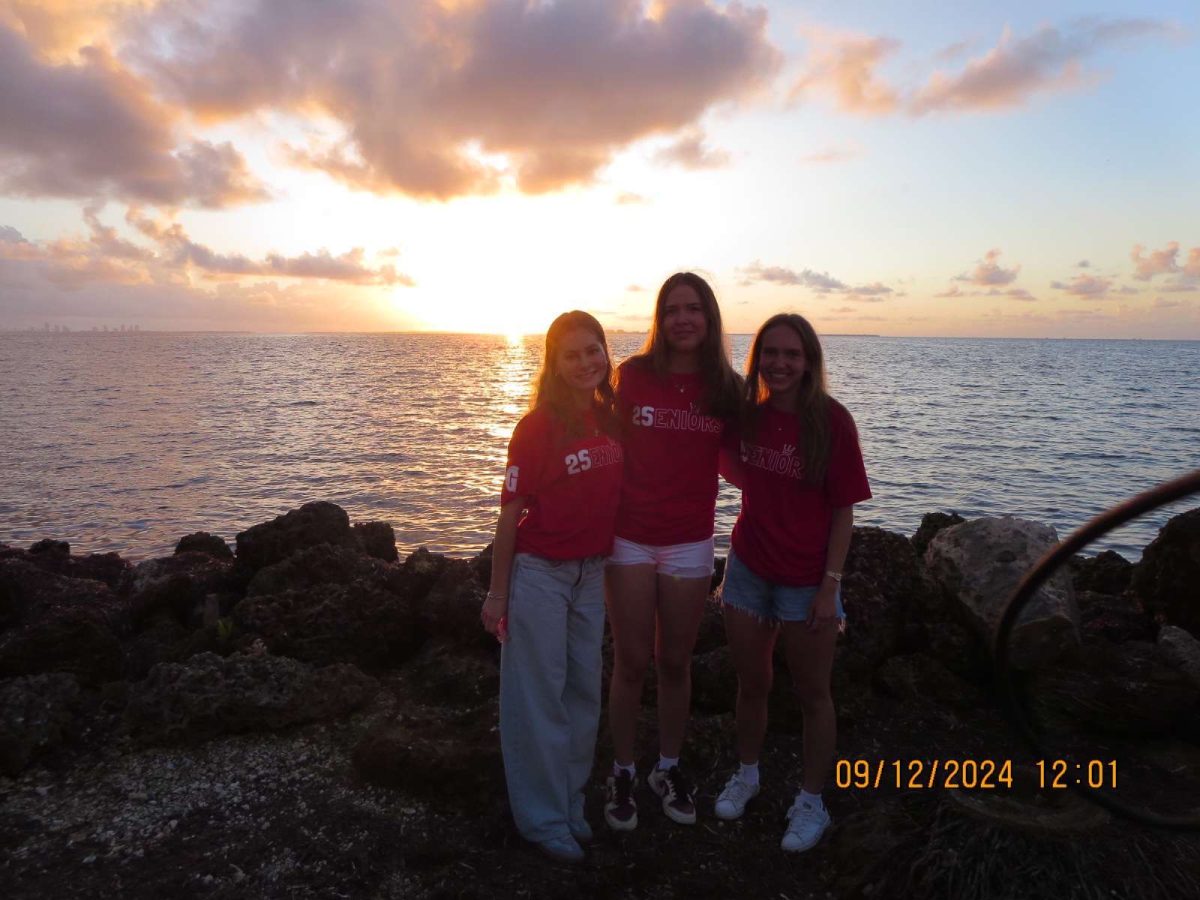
127	441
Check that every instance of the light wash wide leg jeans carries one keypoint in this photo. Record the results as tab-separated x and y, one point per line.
550	689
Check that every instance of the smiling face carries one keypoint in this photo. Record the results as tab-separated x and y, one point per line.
782	363
580	361
684	323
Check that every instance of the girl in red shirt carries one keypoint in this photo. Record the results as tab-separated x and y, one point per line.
675	398
801	472
546	602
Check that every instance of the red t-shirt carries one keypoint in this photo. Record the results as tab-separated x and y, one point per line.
782	531
570	486
669	495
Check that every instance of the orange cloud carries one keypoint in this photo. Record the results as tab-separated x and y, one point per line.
1085	286
1166	262
690	152
1014	70
842	66
421	88
92	129
59	28
988	272
104	257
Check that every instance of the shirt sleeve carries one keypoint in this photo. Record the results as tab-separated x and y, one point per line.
846	481
527	451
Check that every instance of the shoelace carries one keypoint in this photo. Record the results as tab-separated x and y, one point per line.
623	788
680	790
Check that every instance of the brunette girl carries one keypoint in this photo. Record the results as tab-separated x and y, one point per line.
675	398
546	602
802	472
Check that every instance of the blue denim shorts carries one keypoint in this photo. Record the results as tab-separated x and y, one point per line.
766	601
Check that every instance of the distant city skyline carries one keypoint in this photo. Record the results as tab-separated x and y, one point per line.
979	169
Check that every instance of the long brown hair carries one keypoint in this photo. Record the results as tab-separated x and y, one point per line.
550	390
813	396
722	384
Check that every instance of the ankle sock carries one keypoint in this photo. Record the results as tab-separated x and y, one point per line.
618	769
666	762
749	773
813	800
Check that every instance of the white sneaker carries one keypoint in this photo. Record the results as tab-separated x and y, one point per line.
806	824
731	802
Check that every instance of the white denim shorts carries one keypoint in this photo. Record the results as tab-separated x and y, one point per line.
693	560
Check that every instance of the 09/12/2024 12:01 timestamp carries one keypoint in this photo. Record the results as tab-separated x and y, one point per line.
972	774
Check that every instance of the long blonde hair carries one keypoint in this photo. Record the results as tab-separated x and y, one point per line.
550	390
813	397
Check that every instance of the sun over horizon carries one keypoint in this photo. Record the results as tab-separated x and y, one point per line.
1014	170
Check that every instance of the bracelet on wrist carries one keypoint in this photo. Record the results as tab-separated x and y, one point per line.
836	576
492	595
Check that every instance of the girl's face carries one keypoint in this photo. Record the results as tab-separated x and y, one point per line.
684	323
580	361
781	361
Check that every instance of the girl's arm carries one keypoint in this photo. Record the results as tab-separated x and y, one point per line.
495	607
841	529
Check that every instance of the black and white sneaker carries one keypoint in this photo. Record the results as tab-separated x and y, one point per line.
620	810
677	802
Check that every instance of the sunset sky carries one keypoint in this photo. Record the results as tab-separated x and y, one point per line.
925	168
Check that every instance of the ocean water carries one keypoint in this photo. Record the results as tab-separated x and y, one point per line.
127	441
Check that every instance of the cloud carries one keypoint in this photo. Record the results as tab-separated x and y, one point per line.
842	67
1015	293
1083	264
818	282
1085	286
91	128
989	272
1149	265
1158	262
689	152
10	235
634	289
421	90
104	257
1016	69
628	198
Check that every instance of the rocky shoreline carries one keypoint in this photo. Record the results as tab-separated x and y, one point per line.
310	716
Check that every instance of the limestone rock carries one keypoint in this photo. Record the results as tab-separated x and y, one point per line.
359	623
1168	578
882	580
931	524
177	584
1106	573
36	715
210	695
269	542
377	539
54	623
1180	650
978	565
203	542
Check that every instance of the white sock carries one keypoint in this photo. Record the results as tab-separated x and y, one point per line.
749	773
813	800
666	762
618	769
